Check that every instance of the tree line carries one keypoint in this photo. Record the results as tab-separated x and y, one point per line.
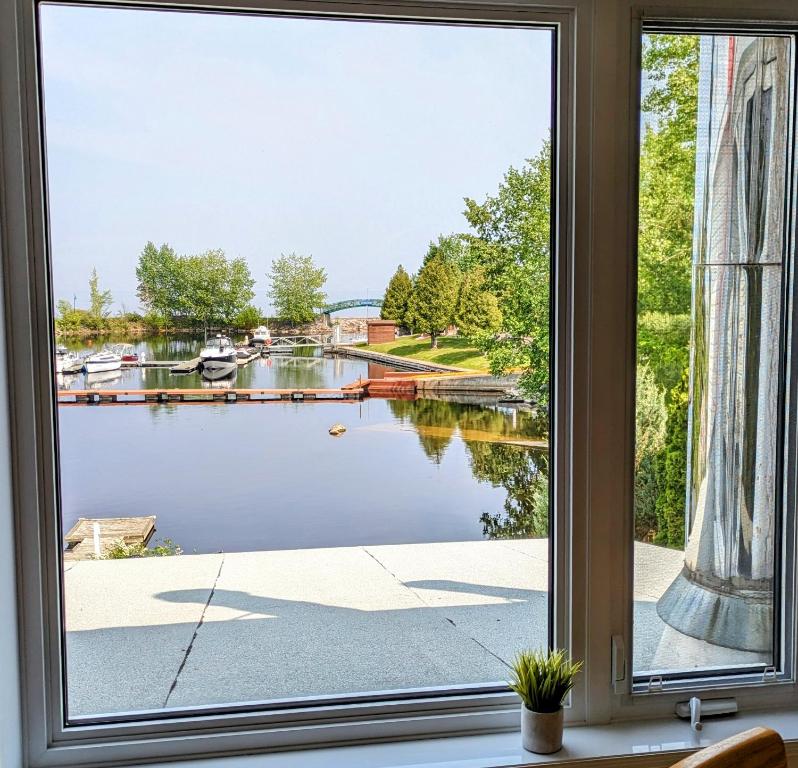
492	281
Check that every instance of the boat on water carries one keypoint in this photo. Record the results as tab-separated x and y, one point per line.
107	359
128	353
64	358
218	358
261	337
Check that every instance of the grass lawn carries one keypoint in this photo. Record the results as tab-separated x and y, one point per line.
450	351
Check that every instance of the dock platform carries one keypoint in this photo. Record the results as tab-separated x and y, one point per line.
83	545
147	396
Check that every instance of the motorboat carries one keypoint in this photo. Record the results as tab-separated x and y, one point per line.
64	358
244	353
218	358
261	337
128	353
107	359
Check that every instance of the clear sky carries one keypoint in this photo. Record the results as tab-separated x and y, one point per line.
354	142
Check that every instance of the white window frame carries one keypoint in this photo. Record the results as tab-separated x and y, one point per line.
751	691
596	224
29	333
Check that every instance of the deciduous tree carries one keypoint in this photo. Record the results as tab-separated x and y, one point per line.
512	244
297	287
477	309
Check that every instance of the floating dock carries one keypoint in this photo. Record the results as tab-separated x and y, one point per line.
91	538
144	396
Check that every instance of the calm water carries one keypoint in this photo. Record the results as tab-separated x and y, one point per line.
238	477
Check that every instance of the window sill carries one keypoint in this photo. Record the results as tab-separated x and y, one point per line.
637	743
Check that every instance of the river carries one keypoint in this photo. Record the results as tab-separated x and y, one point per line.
243	477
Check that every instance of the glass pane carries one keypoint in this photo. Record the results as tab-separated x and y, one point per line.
711	309
289	466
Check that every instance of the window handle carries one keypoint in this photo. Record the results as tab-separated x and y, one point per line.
695	714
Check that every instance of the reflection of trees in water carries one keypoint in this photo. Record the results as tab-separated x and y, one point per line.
523	473
520	470
434	420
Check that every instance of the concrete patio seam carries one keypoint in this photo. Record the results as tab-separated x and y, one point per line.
396	578
507	543
430	605
194	636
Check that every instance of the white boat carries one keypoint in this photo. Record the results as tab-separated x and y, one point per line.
64	358
218	357
107	359
261	336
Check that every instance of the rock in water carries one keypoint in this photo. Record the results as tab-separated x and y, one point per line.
337	429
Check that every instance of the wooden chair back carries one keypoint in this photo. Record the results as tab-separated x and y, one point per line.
757	748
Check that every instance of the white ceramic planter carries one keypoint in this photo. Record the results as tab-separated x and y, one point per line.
541	732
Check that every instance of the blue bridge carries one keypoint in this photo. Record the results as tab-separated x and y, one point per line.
348	304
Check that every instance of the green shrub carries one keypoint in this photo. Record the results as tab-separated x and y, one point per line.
650	425
672	470
121	551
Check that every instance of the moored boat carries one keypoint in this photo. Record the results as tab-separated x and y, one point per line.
107	359
261	336
64	358
128	353
218	358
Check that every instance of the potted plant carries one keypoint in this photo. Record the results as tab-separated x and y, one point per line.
543	679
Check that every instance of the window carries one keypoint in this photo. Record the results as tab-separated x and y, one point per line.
116	649
713	344
351	529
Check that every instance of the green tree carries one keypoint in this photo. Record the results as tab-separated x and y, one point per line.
99	301
667	173
477	309
296	287
455	250
158	283
397	297
433	300
205	289
672	470
249	317
512	243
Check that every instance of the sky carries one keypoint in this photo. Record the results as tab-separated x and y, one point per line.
354	142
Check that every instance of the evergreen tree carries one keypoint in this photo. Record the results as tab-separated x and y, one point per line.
477	309
397	297
433	300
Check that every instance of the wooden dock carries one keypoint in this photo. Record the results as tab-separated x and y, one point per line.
144	396
91	538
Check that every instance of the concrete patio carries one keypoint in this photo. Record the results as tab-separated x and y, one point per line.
216	629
